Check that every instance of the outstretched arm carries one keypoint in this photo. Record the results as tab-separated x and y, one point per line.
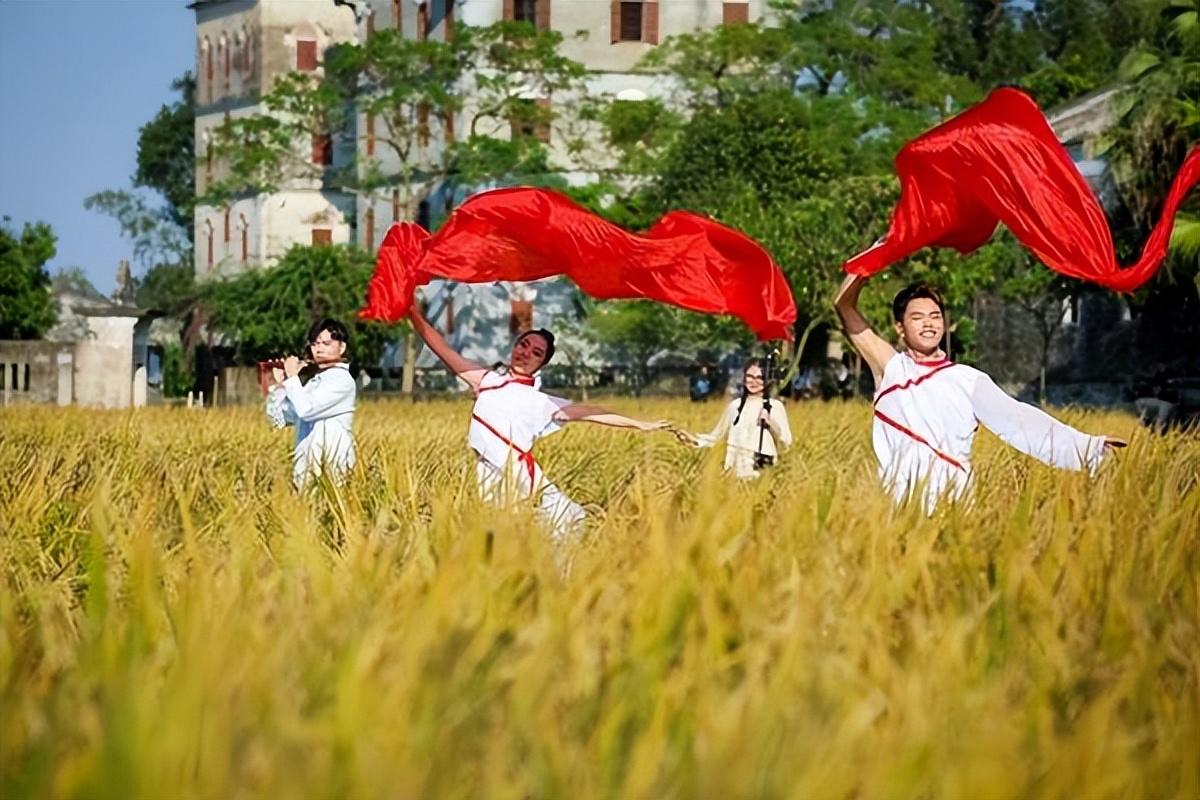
469	371
874	350
1036	433
582	412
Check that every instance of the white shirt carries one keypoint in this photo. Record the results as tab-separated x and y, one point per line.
322	411
741	434
926	415
516	411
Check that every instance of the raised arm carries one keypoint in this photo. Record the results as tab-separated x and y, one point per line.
583	412
469	371
874	350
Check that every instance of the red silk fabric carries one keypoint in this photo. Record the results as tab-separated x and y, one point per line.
523	234
999	161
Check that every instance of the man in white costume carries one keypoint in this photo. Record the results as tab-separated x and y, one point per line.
322	409
927	408
510	414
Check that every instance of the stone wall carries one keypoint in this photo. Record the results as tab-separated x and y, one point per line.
36	372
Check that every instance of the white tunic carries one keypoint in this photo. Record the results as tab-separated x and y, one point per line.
926	415
742	433
322	411
508	417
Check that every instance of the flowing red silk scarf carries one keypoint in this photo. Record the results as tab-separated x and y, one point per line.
523	234
999	161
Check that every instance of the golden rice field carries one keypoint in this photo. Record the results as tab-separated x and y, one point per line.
176	623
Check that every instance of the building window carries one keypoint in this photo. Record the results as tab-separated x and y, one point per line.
423	21
322	150
631	22
531	119
423	124
322	237
736	13
206	49
245	226
525	11
520	316
227	226
396	18
228	60
634	22
208	227
306	55
370	134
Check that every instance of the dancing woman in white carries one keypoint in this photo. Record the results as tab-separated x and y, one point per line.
322	409
741	426
927	408
510	414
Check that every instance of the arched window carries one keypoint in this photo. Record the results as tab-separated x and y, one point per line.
208	226
225	58
206	140
245	227
308	42
227	229
247	52
206	68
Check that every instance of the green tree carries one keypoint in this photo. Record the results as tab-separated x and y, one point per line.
166	154
26	308
267	312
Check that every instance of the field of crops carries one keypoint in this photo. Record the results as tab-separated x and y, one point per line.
176	622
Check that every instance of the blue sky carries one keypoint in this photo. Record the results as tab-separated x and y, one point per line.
77	80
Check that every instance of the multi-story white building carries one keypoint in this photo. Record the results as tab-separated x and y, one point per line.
242	46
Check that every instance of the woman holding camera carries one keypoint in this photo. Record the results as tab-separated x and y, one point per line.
321	409
754	429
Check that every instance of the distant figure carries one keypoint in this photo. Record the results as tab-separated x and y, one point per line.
747	443
322	409
1157	403
701	385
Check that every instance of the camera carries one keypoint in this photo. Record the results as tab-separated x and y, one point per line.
762	461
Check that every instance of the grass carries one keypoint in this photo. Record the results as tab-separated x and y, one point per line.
175	622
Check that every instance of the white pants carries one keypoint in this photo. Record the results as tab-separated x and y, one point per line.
503	487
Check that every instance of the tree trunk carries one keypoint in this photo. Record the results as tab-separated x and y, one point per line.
410	364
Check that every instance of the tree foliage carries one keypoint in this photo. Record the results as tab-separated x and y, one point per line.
26	308
267	312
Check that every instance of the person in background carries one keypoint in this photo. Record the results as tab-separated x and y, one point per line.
742	423
321	409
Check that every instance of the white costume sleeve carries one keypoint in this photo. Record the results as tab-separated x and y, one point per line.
780	418
546	410
1033	431
717	434
279	410
314	401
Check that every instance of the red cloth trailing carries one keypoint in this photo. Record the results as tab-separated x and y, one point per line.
999	161
523	234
